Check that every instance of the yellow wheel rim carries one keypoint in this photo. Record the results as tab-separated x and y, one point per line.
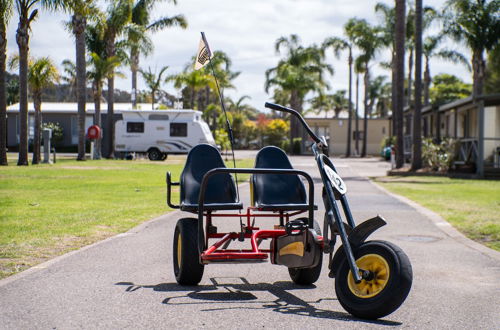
179	250
380	269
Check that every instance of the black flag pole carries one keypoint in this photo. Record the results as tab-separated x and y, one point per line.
221	98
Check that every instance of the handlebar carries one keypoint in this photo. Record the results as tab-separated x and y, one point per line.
281	108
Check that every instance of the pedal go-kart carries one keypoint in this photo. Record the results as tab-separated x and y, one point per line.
372	278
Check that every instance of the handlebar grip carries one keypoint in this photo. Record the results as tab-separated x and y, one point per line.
281	108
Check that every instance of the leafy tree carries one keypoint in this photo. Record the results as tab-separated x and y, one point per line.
153	81
447	88
276	132
417	116
5	15
138	40
300	71
477	24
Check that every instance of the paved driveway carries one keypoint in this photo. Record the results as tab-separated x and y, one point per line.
128	282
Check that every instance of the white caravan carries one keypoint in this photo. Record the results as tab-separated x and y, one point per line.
161	132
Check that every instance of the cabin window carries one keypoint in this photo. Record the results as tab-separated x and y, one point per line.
178	129
158	117
135	127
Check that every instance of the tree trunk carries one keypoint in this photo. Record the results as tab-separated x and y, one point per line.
356	116
79	24
365	115
3	96
37	102
134	67
427	82
349	122
417	116
478	67
97	116
400	75
153	99
393	93
294	123
22	38
110	51
410	77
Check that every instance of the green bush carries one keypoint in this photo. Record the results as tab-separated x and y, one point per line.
438	156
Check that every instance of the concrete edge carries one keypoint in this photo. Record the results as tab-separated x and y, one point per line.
441	224
46	264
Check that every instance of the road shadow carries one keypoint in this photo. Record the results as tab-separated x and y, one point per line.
243	292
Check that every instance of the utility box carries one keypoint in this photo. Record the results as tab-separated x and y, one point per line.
46	136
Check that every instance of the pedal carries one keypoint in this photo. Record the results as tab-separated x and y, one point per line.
212	229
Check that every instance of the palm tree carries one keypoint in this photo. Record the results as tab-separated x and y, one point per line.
5	14
42	73
153	80
242	108
69	77
81	11
26	16
477	24
339	44
301	71
119	15
368	40
417	114
193	81
138	40
100	68
399	61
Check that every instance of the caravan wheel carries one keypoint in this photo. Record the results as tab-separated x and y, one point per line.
154	154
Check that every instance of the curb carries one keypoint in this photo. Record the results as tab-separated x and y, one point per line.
442	224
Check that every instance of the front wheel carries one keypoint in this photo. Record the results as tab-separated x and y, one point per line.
389	285
187	267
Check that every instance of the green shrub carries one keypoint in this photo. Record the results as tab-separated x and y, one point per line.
438	156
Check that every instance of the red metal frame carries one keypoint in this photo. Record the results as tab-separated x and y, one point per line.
214	254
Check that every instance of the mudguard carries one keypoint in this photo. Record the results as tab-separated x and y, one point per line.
357	236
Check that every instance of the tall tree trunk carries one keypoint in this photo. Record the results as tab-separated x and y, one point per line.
349	122
427	82
393	92
294	123
37	102
478	68
417	116
365	115
400	76
110	52
357	116
79	24
3	96
410	77
97	116
134	68
22	38
153	99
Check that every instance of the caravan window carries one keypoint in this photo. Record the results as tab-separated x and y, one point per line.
135	127
178	129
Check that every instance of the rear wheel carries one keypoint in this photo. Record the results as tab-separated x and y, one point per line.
388	287
187	267
307	276
154	154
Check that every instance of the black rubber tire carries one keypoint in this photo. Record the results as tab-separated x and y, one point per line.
307	276
164	156
391	296
154	154
189	270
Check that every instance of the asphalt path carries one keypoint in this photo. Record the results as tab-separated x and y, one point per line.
128	282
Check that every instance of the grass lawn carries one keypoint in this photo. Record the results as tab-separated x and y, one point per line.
471	206
47	210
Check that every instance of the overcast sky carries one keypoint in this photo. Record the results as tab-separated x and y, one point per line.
245	30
